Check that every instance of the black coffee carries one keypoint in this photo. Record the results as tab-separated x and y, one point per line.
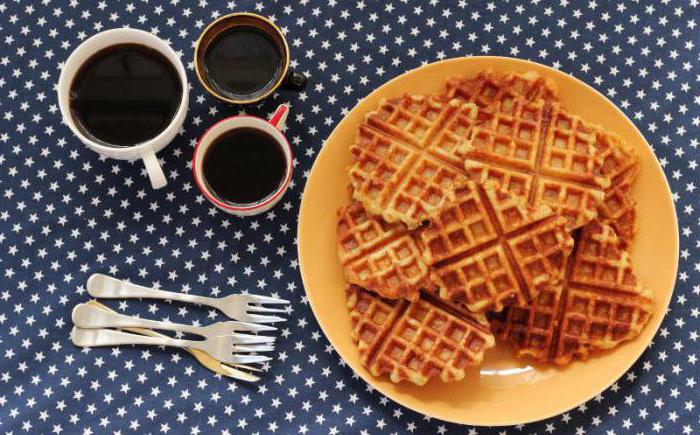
244	166
125	94
242	61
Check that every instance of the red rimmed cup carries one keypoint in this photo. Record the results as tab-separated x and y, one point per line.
272	128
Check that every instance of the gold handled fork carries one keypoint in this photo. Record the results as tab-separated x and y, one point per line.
228	370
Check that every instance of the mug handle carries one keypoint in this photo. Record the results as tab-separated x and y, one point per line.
155	172
279	118
294	81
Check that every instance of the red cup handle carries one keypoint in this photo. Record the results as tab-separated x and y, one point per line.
280	116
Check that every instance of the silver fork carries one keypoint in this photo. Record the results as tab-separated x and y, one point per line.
241	307
88	316
223	347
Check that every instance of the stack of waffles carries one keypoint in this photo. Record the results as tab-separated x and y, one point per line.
487	212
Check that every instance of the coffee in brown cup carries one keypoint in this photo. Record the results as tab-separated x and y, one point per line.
242	58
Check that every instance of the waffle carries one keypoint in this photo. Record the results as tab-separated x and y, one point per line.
379	256
600	304
487	248
540	151
621	165
416	341
616	155
618	207
404	161
488	88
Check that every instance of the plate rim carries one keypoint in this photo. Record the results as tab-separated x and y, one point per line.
561	409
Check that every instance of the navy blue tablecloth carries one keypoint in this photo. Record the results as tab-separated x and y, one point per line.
66	213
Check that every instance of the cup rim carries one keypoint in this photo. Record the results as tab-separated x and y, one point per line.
153	142
200	74
254	206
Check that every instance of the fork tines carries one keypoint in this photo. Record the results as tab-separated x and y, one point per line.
254	305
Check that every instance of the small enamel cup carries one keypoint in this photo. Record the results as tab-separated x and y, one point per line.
273	127
286	77
145	151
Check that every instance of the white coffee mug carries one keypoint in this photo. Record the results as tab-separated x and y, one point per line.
145	150
273	127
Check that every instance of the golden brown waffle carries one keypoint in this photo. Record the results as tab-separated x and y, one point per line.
600	304
618	207
616	155
544	153
404	156
621	165
416	341
379	256
486	248
488	88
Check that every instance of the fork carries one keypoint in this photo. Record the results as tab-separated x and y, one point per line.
223	347
234	371
240	307
87	316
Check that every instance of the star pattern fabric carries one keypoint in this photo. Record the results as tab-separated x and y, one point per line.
67	213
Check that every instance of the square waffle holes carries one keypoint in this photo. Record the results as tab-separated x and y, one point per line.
600	304
473	195
489	88
379	256
404	156
487	248
544	153
416	341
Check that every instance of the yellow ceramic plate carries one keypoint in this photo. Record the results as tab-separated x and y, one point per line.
503	391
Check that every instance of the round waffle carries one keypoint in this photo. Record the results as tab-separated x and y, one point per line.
486	248
404	162
543	152
600	304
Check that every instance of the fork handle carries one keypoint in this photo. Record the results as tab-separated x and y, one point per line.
103	286
108	337
87	316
